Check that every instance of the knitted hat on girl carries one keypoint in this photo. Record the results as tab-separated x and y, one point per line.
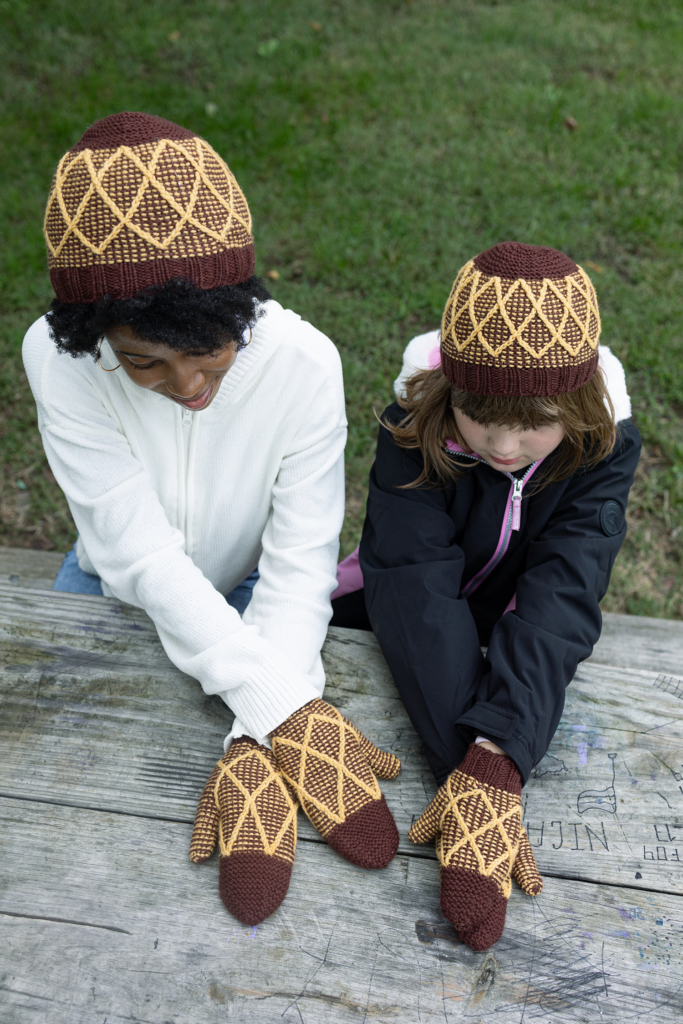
520	320
139	201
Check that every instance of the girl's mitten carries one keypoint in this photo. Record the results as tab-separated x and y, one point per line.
476	818
248	807
332	768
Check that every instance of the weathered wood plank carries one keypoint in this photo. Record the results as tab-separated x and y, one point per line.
634	641
94	715
607	802
627	640
123	927
23	567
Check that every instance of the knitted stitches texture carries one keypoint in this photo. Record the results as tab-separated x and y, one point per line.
248	808
128	209
520	320
331	766
478	828
480	843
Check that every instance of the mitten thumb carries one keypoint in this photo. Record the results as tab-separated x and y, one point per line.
428	825
205	831
383	764
524	870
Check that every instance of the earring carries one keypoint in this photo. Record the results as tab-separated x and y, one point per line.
250	338
99	349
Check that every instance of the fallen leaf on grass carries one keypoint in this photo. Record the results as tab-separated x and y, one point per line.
316	26
274	275
571	124
594	266
267	48
173	36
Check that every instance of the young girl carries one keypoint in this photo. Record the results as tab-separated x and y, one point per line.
205	436
495	512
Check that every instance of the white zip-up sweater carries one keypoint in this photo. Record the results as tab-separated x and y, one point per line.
174	508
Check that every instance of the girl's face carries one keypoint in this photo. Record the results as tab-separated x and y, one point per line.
507	449
190	379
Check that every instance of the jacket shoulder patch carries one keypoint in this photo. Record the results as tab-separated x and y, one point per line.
611	518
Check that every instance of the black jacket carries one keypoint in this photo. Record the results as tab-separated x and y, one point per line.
421	546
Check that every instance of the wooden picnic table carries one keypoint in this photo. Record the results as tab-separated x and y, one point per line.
106	746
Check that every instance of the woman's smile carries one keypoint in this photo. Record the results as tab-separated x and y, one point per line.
193	403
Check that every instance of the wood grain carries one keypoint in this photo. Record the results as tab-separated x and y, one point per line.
94	715
96	720
22	567
634	641
648	641
104	919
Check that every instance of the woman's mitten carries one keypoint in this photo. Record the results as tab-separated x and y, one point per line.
247	806
476	818
332	767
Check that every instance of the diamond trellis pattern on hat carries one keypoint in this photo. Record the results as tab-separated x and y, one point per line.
520	320
139	201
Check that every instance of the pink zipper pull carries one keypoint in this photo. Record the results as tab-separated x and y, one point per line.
517	486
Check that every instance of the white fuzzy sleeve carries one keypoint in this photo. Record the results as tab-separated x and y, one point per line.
421	353
615	378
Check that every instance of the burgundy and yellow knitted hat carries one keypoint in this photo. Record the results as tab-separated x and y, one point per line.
520	320
138	201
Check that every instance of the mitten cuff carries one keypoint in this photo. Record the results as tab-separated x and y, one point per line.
495	770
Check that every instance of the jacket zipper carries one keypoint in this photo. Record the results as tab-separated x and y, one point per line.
512	517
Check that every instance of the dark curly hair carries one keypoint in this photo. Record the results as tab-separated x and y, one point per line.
177	314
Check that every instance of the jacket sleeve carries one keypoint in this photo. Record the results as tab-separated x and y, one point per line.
412	569
534	651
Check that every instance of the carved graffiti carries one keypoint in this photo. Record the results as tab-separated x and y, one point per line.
549	765
600	799
568	835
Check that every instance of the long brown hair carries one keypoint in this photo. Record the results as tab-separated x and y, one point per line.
586	414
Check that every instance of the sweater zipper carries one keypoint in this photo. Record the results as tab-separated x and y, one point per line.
512	517
187	425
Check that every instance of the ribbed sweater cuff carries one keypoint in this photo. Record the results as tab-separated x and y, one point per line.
265	702
495	770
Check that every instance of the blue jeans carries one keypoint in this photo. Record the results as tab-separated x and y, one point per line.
72	580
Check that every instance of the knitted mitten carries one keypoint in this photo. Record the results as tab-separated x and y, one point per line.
248	807
332	767
477	819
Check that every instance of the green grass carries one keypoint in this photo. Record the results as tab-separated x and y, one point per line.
381	144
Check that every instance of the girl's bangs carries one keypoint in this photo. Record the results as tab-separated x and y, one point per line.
517	412
430	400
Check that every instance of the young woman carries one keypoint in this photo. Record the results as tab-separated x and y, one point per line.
496	509
202	438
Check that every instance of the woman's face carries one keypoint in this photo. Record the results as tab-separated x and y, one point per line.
190	379
506	449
